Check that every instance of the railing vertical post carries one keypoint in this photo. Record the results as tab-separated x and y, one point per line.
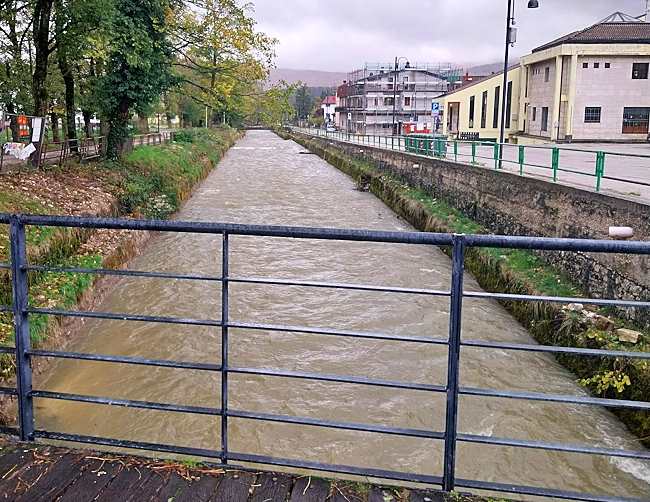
522	159
473	152
453	364
455	151
498	154
224	349
600	169
555	161
21	325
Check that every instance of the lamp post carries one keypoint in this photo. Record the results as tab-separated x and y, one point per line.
511	38
397	60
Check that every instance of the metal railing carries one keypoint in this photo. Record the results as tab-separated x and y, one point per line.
558	164
453	389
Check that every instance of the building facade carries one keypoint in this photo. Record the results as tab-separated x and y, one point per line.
328	105
473	112
590	85
379	100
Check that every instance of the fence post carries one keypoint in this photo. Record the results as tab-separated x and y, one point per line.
453	364
555	161
522	159
473	153
21	326
600	169
497	152
455	151
224	349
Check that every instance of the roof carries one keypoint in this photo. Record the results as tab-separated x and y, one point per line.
478	80
329	100
618	28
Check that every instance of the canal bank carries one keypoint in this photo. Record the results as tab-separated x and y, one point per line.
513	272
151	181
268	181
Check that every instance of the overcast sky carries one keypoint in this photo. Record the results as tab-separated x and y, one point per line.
340	35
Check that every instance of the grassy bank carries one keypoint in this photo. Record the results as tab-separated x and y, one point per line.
521	272
149	182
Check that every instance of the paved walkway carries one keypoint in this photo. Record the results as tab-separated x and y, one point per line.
45	473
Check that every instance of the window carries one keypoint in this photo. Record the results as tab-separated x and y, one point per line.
407	101
376	102
406	79
545	118
640	71
585	65
471	112
635	120
547	73
534	113
495	115
592	115
596	65
508	104
484	102
608	65
388	101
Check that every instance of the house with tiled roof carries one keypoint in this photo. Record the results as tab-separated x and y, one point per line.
328	105
589	85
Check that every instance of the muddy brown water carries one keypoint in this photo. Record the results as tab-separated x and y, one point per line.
265	180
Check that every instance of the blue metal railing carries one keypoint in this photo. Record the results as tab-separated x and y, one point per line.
453	390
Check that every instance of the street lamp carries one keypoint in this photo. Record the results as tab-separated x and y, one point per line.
408	65
511	38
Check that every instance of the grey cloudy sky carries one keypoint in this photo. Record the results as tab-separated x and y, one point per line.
339	35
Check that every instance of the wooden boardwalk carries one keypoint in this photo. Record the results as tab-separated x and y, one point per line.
45	473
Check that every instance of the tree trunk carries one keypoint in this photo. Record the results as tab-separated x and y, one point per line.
87	124
41	35
143	124
118	131
54	121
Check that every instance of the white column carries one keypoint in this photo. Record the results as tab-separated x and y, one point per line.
573	85
557	98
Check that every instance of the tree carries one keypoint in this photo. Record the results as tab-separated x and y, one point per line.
41	39
304	102
138	67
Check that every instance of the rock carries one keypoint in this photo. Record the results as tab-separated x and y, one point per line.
628	335
575	307
603	323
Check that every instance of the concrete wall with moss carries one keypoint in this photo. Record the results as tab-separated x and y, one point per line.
508	204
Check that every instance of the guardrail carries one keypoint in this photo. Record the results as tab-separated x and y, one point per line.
24	353
549	162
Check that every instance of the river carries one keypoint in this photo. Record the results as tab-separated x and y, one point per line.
266	180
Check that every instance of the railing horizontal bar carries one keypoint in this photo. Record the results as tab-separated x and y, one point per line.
8	391
334	332
133	445
6	308
332	285
126	403
339	469
555	350
128	273
8	350
557	299
380	429
126	360
557	398
124	317
5	266
558	244
9	431
539	492
540	445
632	182
338	379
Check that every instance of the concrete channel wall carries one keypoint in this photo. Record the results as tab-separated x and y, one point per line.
506	203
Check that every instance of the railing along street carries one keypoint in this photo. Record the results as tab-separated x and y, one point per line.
569	165
453	389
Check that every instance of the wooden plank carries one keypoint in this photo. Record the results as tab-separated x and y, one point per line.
96	475
148	488
272	488
308	489
33	466
429	496
234	486
124	481
54	481
173	488
200	490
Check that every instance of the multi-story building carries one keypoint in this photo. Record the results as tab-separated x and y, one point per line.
589	85
328	105
376	97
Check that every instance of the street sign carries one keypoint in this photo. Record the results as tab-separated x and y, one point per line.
435	109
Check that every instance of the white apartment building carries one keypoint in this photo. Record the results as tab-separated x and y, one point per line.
589	85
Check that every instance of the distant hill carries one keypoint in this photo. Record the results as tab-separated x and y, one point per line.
312	78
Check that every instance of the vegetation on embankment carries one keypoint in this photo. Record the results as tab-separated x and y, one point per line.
149	182
520	272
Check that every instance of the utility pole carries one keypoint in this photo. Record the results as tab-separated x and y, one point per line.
394	96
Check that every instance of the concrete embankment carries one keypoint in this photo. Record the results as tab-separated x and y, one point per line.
439	196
